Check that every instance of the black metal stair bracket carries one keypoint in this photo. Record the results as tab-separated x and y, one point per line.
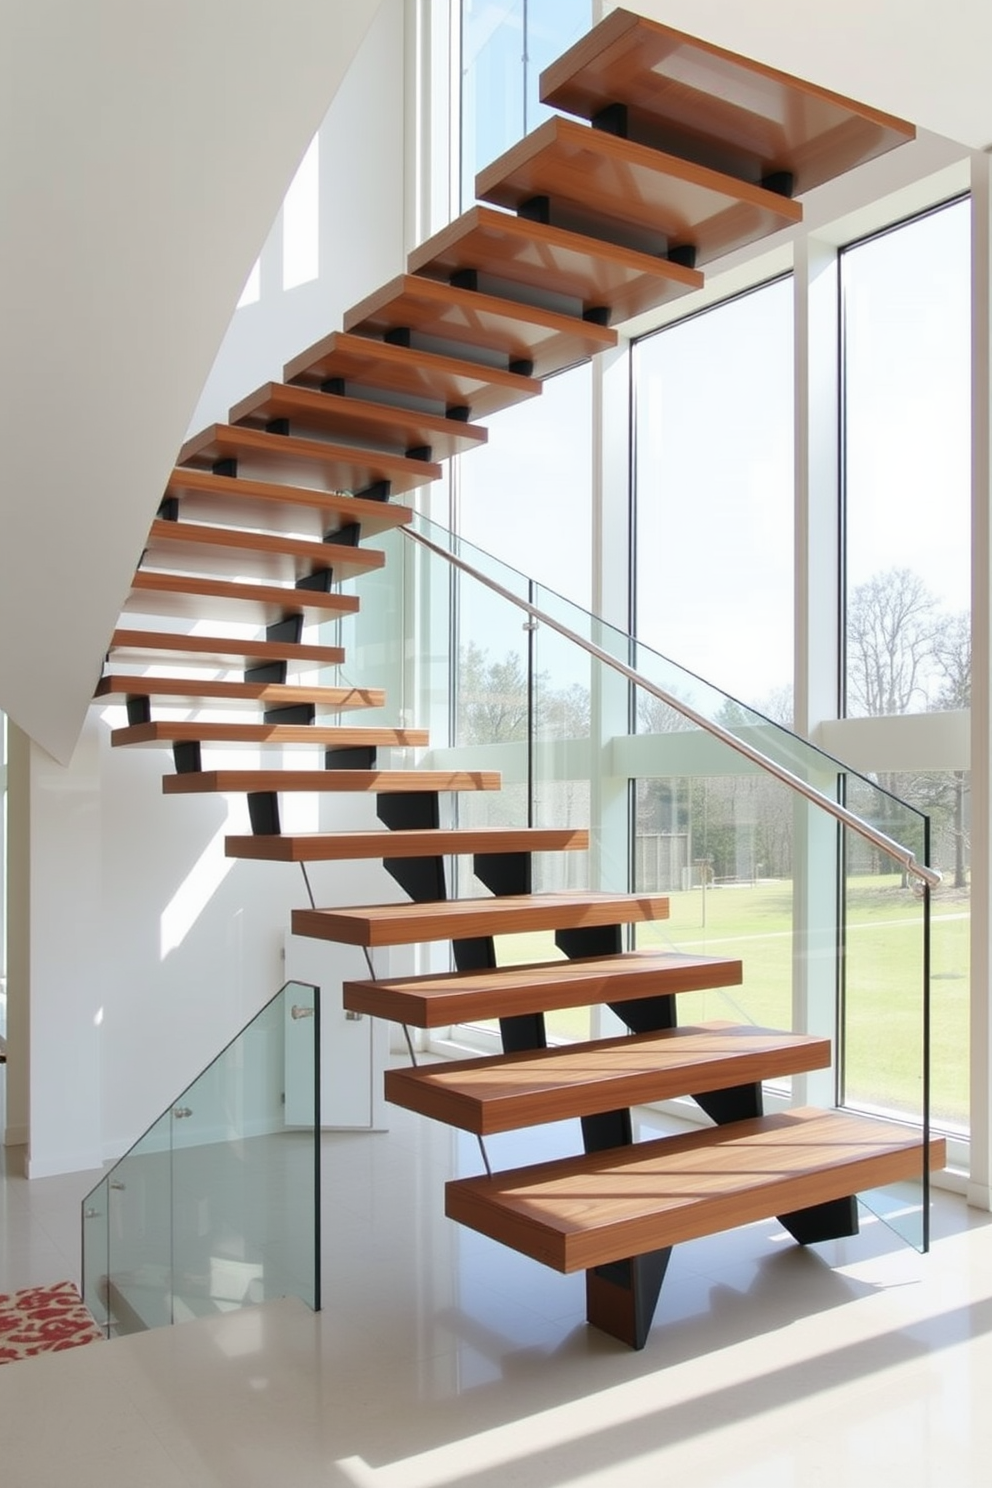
303	713
267	671
505	873
348	536
226	466
139	709
187	756
621	1297
263	813
318	582
422	878
350	757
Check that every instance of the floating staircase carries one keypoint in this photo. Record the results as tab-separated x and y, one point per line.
693	153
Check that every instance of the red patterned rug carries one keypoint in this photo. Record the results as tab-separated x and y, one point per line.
42	1320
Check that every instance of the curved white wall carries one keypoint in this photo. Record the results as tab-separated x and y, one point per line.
144	151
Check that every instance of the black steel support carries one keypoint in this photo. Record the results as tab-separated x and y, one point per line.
227	466
409	810
319	582
522	1032
267	671
683	254
464	279
397	336
521	367
168	509
348	536
277	426
646	1014
350	757
334	385
597	315
377	491
590	940
421	452
421	878
783	183
607	1129
139	710
288	630
186	756
291	713
536	209
475	954
263	813
621	1297
739	1103
830	1221
612	119
460	412
505	873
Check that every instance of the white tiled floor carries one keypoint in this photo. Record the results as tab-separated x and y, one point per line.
441	1359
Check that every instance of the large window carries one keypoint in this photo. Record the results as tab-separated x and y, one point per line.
714	493
906	410
506	44
907	466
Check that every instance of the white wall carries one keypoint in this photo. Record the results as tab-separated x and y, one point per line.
144	151
136	949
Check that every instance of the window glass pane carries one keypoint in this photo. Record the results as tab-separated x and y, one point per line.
505	46
526	496
714	484
907	466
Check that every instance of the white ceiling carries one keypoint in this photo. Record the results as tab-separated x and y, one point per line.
927	62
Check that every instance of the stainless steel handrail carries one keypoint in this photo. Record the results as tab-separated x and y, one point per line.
902	855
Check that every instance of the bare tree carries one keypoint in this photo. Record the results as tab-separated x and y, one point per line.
892	627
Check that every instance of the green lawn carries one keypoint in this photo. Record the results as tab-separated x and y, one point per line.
883	976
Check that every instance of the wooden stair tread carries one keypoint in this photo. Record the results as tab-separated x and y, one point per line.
193	690
443	313
438	999
714	105
404	924
515	1090
154	646
283	508
537	257
400	429
628	192
445	381
587	1211
275	558
339	467
381	782
319	847
187	597
315	735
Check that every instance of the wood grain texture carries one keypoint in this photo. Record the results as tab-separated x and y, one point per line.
517	1090
314	735
193	692
483	322
273	558
151	647
381	782
441	998
406	924
548	260
337	467
321	847
711	104
207	497
380	424
627	192
446	381
587	1211
188	597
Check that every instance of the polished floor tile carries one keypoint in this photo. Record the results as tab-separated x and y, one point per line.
442	1359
